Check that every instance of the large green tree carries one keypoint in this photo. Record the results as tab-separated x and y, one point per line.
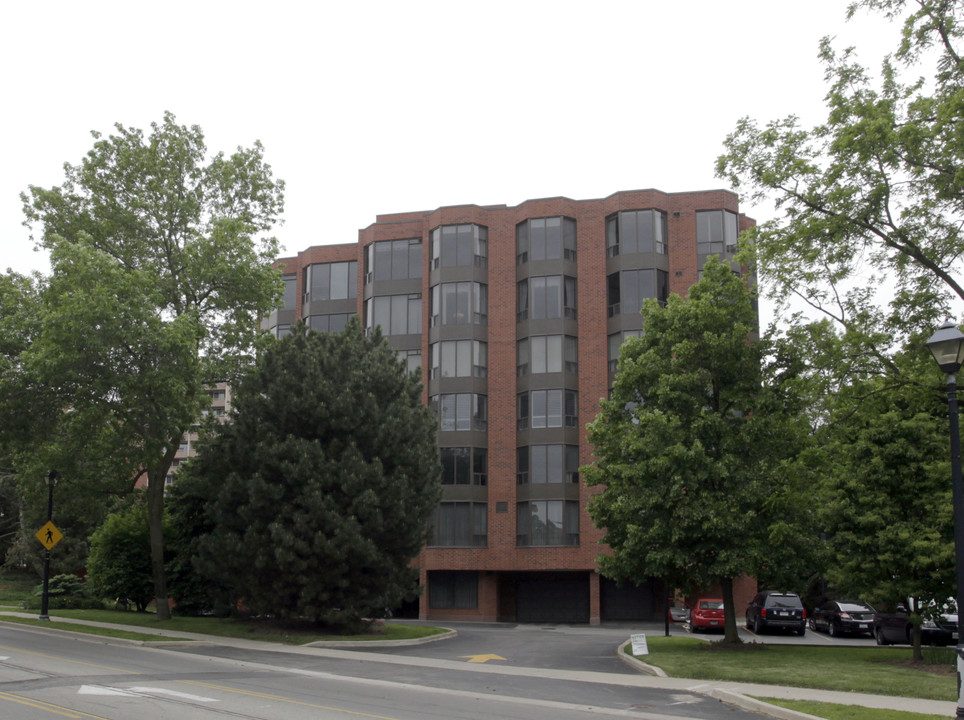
312	502
873	197
160	268
119	565
695	447
868	240
886	501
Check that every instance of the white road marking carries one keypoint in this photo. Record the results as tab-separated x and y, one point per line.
141	692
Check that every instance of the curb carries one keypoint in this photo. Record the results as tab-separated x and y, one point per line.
449	633
748	703
637	663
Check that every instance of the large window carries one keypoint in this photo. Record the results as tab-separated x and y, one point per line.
626	290
461	411
397	314
616	341
716	232
543	464
545	239
333	323
331	281
636	231
459	358
393	260
539	409
412	360
453	590
459	524
459	246
459	303
547	522
546	297
464	465
290	299
547	354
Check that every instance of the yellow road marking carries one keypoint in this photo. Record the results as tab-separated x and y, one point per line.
49	707
282	698
482	658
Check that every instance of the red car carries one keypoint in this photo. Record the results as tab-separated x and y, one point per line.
707	614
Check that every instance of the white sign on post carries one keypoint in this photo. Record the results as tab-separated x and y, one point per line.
639	644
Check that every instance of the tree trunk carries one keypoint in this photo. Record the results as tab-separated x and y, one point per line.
918	654
155	514
731	632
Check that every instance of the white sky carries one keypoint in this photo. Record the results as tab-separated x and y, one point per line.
377	107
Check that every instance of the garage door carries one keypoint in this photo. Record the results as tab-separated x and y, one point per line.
553	597
629	602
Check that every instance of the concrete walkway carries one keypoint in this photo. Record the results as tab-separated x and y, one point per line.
739	694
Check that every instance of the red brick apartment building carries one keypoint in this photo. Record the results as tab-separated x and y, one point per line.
514	317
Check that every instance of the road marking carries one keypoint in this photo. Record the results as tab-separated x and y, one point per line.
49	707
282	698
482	658
172	693
140	692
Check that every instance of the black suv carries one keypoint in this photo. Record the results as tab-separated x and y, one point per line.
776	609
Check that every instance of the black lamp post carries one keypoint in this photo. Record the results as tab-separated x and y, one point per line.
45	598
947	346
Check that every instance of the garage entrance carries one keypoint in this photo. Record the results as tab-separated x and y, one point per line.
629	602
550	597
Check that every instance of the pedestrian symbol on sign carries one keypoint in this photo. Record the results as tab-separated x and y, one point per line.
49	535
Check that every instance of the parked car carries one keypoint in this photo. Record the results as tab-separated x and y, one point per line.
894	628
679	612
778	610
843	616
707	614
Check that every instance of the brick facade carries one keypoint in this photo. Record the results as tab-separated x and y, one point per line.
513	582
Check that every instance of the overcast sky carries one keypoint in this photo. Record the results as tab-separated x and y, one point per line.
367	108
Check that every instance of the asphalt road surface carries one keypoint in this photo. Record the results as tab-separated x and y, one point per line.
520	672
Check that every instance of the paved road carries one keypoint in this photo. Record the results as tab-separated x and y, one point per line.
50	675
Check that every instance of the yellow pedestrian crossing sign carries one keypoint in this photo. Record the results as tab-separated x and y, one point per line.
49	535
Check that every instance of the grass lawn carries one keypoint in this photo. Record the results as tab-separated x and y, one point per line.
269	631
882	671
99	631
16	589
831	711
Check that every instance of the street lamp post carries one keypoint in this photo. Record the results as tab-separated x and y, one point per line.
45	598
947	346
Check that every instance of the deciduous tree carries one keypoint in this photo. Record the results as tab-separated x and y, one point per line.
159	272
695	447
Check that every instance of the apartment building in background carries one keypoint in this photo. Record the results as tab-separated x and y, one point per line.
514	317
220	394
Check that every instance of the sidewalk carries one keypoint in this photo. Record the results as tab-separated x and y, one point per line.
740	694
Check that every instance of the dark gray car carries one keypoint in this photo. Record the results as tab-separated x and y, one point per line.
838	617
776	610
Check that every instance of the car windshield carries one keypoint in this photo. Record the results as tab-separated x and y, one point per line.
711	604
784	601
855	607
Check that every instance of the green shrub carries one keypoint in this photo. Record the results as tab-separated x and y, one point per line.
66	592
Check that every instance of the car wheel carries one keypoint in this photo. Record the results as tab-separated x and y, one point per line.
757	625
801	631
811	624
833	629
879	636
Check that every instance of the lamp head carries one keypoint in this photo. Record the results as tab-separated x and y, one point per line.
947	347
